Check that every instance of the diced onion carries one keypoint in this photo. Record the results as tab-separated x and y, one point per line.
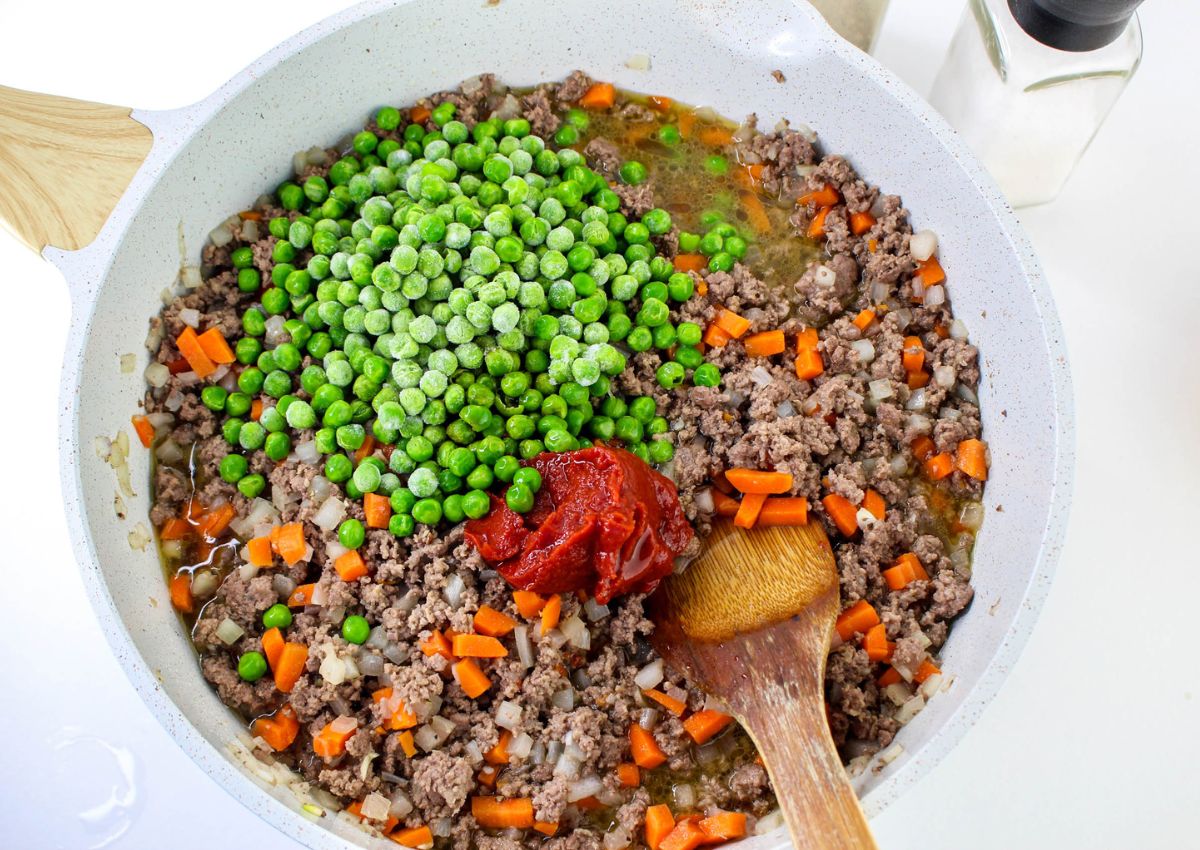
760	376
880	389
935	295
157	375
454	590
344	724
865	518
564	699
616	838
520	746
944	376
204	583
441	827
581	680
898	692
650	675
306	452
319	489
824	276
922	244
919	423
902	317
282	585
638	62
371	664
958	330
220	236
190	276
275	332
785	409
769	822
594	610
508	715
376	806
331	512
910	709
190	317
587	786
567	767
647	718
524	647
401	804
685	795
879	292
229	632
332	669
916	399
168	452
971	515
576	632
704	501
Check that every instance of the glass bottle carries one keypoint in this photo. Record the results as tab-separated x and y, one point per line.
1028	82
857	21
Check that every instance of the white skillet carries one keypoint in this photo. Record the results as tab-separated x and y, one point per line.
169	177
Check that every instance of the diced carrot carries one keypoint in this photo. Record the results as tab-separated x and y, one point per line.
687	835
355	809
864	318
144	430
291	665
783	511
214	345
258	551
189	346
177	528
731	323
378	510
301	596
629	775
704	725
916	380
178	365
931	272
941	330
545	828
807	340
874	503
256	409
551	613
715	336
470	678
809	364
816	227
687	121
250	215
419	114
644	749
416	837
498	754
350	565
715	137
859	617
826	196
478	646
906	570
487	776
971	458
659	824
364	451
765	344
723	826
913	357
756	212
279	730
407	743
861	222
890	676
588	804
272	645
675	706
489	621
842	512
528	603
725	506
599	96
749	177
759	481
749	509
437	644
690	262
925	670
217	520
659	103
876	644
290	544
939	466
872	245
493	813
923	448
180	588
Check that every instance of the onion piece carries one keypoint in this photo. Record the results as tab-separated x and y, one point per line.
760	376
922	245
647	718
157	375
864	349
564	699
958	330
685	795
376	807
229	632
524	646
330	514
935	296
594	610
401	804
508	715
454	590
587	786
824	276
880	389
576	632
520	746
344	724
650	675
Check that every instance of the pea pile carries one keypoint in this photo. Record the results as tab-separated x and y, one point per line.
465	296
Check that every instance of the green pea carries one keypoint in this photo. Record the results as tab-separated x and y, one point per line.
706	375
427	511
338	468
233	468
530	477
452	509
278	616
632	172
505	468
356	629
401	525
519	498
660	451
252	666
252	485
351	533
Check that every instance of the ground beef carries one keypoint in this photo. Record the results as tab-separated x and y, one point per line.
827	432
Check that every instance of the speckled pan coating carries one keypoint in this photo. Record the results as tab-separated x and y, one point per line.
218	155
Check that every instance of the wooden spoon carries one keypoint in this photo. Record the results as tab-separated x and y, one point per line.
750	621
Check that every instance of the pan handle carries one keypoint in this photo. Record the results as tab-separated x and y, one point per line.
66	163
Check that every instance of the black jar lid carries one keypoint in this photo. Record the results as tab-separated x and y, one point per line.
1074	25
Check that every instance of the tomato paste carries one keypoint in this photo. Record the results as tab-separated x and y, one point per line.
604	522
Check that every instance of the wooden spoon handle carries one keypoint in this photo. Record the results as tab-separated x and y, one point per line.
66	164
814	793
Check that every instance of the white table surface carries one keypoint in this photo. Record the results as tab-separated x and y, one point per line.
1091	743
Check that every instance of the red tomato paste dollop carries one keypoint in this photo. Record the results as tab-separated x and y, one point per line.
604	522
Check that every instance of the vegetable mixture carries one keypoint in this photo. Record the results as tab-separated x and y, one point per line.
405	425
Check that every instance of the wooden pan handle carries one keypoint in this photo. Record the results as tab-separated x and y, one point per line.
65	164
